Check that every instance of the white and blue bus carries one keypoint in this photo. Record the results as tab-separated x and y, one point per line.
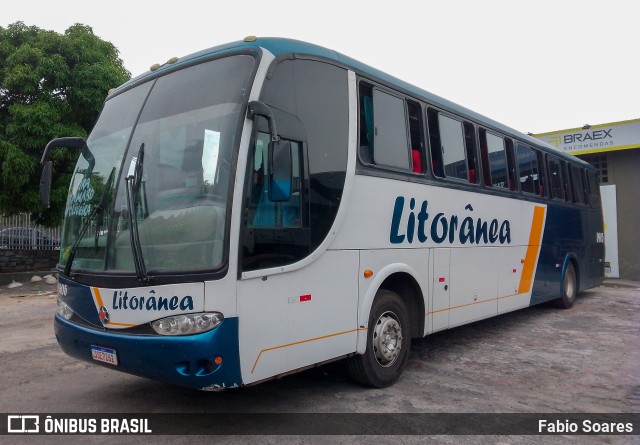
269	205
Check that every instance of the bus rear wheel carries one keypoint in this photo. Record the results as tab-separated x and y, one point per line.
388	343
569	289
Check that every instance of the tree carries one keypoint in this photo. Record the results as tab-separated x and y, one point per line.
51	85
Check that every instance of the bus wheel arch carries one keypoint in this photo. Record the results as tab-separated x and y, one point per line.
398	278
405	285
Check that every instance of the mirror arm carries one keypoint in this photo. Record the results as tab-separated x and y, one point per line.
257	108
69	142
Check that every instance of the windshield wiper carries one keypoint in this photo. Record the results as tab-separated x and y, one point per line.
133	181
95	210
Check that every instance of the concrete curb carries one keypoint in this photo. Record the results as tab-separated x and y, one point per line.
616	282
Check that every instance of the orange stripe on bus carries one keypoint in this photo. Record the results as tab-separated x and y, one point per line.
121	324
470	304
301	342
96	292
535	238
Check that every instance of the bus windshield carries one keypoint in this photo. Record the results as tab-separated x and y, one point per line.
187	121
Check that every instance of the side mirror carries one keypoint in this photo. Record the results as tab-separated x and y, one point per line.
45	183
47	165
280	171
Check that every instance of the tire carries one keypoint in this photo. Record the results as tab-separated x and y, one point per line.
388	343
569	289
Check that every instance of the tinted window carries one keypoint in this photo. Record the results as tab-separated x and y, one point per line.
568	193
578	187
391	145
511	163
470	142
416	136
594	189
497	157
541	173
188	126
452	146
434	140
263	213
555	178
529	170
310	103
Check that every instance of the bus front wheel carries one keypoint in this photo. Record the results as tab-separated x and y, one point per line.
569	289
388	343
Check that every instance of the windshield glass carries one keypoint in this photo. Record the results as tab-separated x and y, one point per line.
188	122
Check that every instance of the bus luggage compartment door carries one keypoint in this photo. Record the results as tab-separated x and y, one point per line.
441	288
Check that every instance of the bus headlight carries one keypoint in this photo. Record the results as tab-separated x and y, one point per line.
64	310
187	324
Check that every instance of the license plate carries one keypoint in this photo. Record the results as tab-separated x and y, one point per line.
102	354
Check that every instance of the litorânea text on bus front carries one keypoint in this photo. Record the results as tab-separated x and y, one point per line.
151	302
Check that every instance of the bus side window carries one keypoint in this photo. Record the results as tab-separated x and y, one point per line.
555	178
448	148
452	146
390	139
434	142
387	138
568	195
262	212
366	124
484	157
470	144
585	185
578	188
511	164
498	166
528	169
274	232
541	174
594	189
416	137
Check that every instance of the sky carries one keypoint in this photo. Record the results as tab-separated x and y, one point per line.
536	66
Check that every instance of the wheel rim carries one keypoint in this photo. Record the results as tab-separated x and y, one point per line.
570	283
387	339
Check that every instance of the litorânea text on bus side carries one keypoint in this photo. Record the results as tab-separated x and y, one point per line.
442	228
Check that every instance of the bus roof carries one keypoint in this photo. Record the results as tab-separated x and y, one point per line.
282	46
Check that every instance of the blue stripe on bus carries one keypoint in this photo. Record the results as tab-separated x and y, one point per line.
179	360
565	238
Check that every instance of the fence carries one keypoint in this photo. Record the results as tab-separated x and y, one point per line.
25	246
19	233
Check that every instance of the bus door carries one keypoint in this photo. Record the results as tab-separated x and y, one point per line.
293	312
292	320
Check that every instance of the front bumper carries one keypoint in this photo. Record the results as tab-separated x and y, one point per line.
181	360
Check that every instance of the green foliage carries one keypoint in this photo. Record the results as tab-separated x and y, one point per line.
51	85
